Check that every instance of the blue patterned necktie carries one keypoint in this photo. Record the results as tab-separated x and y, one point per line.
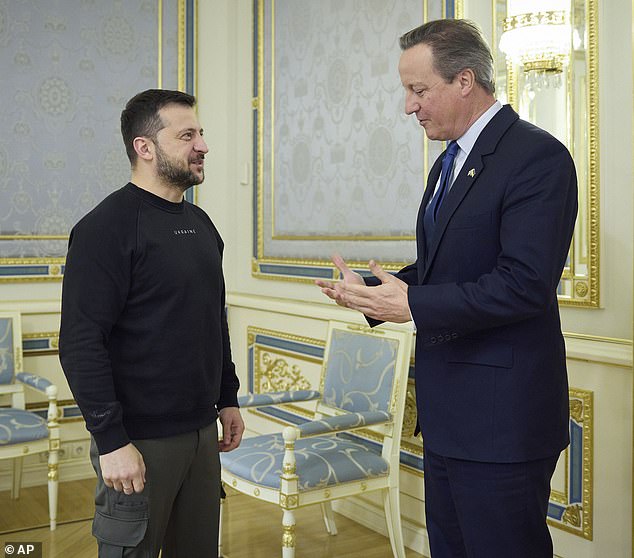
429	218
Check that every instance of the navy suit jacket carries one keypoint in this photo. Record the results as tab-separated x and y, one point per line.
491	381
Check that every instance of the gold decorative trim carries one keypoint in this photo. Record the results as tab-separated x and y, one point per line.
289	501
339	237
277	375
593	138
288	336
17	355
260	135
182	66
550	64
458	10
195	41
53	263
159	9
577	518
288	536
269	375
53	342
517	21
257	262
42	335
33	237
32	261
53	473
511	86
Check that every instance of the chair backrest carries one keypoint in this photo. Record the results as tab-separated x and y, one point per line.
10	347
365	369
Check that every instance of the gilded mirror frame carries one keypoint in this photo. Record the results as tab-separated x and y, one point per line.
580	281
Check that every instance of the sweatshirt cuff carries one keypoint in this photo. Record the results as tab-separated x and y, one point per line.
111	439
228	400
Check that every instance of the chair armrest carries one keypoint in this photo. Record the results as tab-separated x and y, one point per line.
349	421
276	397
34	381
50	389
7	389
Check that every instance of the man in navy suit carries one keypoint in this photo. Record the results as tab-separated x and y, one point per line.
492	241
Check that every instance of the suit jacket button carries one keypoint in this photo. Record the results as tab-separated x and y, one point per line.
432	340
447	337
454	336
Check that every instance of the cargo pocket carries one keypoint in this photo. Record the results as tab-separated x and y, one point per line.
124	528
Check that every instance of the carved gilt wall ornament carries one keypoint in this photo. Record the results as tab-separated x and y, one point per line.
279	375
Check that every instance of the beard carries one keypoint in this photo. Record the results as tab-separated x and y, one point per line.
175	173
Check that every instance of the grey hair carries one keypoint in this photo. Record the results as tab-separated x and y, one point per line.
456	45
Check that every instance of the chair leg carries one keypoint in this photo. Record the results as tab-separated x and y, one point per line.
222	507
17	478
288	534
53	485
391	503
329	518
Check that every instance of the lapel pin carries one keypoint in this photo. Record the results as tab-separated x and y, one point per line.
471	173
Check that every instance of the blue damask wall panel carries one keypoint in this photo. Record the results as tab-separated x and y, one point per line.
68	68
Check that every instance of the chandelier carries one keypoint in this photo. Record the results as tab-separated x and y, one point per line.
537	35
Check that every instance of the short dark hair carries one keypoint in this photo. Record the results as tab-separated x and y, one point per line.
141	118
456	44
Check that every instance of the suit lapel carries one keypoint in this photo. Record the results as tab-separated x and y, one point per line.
469	173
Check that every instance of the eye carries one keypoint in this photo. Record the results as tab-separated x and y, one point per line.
420	92
187	136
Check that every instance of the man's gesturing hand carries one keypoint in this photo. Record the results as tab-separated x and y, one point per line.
387	301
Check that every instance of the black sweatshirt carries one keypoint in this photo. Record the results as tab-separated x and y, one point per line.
144	341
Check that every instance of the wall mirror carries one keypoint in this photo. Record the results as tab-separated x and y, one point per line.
547	64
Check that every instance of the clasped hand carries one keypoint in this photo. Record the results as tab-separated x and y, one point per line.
386	302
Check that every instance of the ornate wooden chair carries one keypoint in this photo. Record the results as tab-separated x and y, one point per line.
22	432
351	447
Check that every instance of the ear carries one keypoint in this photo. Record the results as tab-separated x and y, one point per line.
466	80
144	148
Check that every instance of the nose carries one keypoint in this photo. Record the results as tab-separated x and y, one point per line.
411	103
201	145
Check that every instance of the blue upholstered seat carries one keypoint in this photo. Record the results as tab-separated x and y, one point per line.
321	461
18	426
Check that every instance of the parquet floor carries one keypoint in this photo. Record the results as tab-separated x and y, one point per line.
251	530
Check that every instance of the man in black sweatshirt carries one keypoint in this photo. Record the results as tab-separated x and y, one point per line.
144	342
